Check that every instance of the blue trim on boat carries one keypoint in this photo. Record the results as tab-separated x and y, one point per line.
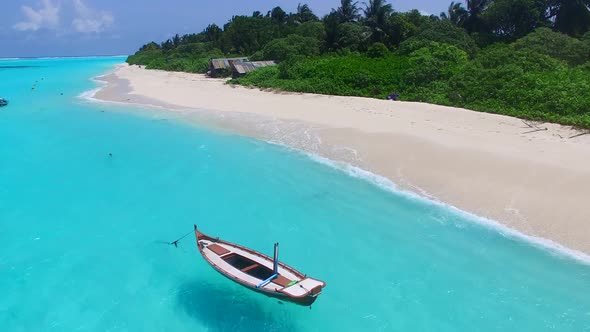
267	281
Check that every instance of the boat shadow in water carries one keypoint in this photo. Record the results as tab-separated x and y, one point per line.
236	309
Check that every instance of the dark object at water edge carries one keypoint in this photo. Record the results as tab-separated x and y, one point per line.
392	96
3	102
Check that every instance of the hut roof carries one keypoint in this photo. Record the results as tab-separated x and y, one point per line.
223	63
243	67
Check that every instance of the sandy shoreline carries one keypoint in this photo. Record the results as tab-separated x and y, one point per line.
537	183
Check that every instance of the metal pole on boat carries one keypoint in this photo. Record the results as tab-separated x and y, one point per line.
276	259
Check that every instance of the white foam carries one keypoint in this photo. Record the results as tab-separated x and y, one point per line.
386	184
90	94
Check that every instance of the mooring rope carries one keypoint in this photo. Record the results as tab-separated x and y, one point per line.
175	243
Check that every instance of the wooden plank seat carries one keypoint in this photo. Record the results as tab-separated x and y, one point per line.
217	249
248	268
281	281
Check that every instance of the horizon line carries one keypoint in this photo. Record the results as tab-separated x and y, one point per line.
63	56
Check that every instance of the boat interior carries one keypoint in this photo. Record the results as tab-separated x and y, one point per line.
249	267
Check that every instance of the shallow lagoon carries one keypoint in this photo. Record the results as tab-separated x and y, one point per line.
81	233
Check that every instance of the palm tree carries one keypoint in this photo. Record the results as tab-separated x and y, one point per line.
176	40
304	14
278	16
473	22
476	7
212	33
348	11
456	13
571	17
376	14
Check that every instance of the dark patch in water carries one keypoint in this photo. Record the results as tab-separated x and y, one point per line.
220	309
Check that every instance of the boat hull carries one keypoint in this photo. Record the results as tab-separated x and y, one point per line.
304	301
243	266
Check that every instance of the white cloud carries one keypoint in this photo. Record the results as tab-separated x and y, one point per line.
89	20
47	16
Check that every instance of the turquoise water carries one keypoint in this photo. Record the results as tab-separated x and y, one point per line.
81	232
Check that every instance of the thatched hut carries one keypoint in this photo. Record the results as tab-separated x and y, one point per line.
222	67
241	68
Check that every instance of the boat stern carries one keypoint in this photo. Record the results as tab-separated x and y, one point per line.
305	292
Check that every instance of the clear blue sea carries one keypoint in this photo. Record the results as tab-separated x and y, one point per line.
81	233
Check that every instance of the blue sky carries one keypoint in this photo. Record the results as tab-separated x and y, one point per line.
103	27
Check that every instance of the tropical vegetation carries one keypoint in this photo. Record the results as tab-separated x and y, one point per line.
524	58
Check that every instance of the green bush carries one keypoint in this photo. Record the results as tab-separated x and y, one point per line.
258	56
412	44
447	33
143	58
499	80
351	75
556	45
192	58
377	50
194	48
291	46
523	84
508	20
312	29
351	36
432	63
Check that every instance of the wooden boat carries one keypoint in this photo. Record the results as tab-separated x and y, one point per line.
259	272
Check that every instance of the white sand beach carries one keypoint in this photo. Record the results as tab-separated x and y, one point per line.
490	165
